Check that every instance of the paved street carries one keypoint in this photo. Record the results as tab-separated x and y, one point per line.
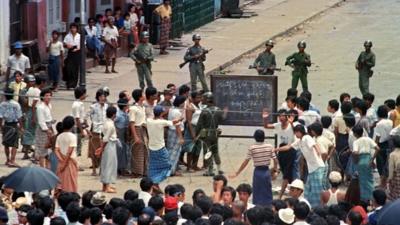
334	41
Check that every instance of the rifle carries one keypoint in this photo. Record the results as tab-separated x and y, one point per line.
264	70
187	61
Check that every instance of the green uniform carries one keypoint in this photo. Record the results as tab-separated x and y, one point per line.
300	61
207	129
266	62
143	55
196	66
364	63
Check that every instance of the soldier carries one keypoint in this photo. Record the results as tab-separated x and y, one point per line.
265	62
196	55
365	61
143	55
207	129
299	61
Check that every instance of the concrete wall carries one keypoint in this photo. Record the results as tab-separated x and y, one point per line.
4	32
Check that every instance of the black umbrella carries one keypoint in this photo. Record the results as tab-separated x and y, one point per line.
389	215
31	179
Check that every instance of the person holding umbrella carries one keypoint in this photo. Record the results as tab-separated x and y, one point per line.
67	170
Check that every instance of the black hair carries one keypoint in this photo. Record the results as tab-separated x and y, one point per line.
321	211
130	195
398	100
362	106
204	203
303	103
108	211
107	10
332	220
25	208
301	210
137	94
291	202
68	122
317	128
84	215
292	92
73	212
390	103
87	197
120	216
179	100
307	95
346	107
146	184
259	135
268	214
278	204
244	187
39	79
111	111
255	215
170	85
291	98
99	93
358	130
196	195
349	120
35	217
229	189
382	112
150	91
180	188
136	207
79	92
232	221
216	219
318	221
338	211
144	219
171	218
334	104
44	92
183	89
194	94
127	14
326	121
227	212
220	177
64	199
396	141
355	218
95	215
117	202
282	112
156	202
9	93
122	103
186	210
74	25
216	208
202	221
295	114
343	96
369	97
91	19
379	196
58	221
46	204
196	213
300	128
122	94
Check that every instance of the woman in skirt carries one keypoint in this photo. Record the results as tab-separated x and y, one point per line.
394	170
56	56
175	134
261	153
72	42
165	12
364	154
110	37
44	130
108	152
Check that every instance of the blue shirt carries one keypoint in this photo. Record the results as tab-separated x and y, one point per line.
121	120
10	111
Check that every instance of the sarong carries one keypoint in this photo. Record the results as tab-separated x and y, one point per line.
109	163
164	32
10	135
140	154
262	187
366	177
68	177
159	165
28	137
394	185
174	149
42	141
314	186
94	143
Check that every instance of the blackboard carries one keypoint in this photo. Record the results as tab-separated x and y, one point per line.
245	97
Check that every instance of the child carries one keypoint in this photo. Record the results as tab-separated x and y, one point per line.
55	49
108	152
18	85
127	29
326	122
364	151
121	124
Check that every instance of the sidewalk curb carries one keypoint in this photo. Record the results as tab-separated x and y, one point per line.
218	69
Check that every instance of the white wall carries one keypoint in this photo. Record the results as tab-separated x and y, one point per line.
4	33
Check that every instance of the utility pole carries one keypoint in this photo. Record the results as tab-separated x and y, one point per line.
82	77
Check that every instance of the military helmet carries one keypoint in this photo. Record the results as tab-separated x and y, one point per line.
368	43
269	43
144	34
29	78
106	90
196	37
302	44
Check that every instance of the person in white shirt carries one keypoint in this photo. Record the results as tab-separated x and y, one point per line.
333	108
110	37
301	211
308	116
108	152
79	114
365	150
146	186
159	161
17	62
92	41
382	137
244	192
55	49
315	164
44	130
371	112
72	42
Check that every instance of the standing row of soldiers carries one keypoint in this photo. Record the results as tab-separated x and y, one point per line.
265	64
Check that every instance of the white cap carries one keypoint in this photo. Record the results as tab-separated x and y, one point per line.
286	215
297	184
335	177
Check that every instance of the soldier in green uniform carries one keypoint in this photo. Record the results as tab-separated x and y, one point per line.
196	56
299	61
207	130
365	61
265	62
143	55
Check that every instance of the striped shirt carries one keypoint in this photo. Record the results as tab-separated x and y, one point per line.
261	153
